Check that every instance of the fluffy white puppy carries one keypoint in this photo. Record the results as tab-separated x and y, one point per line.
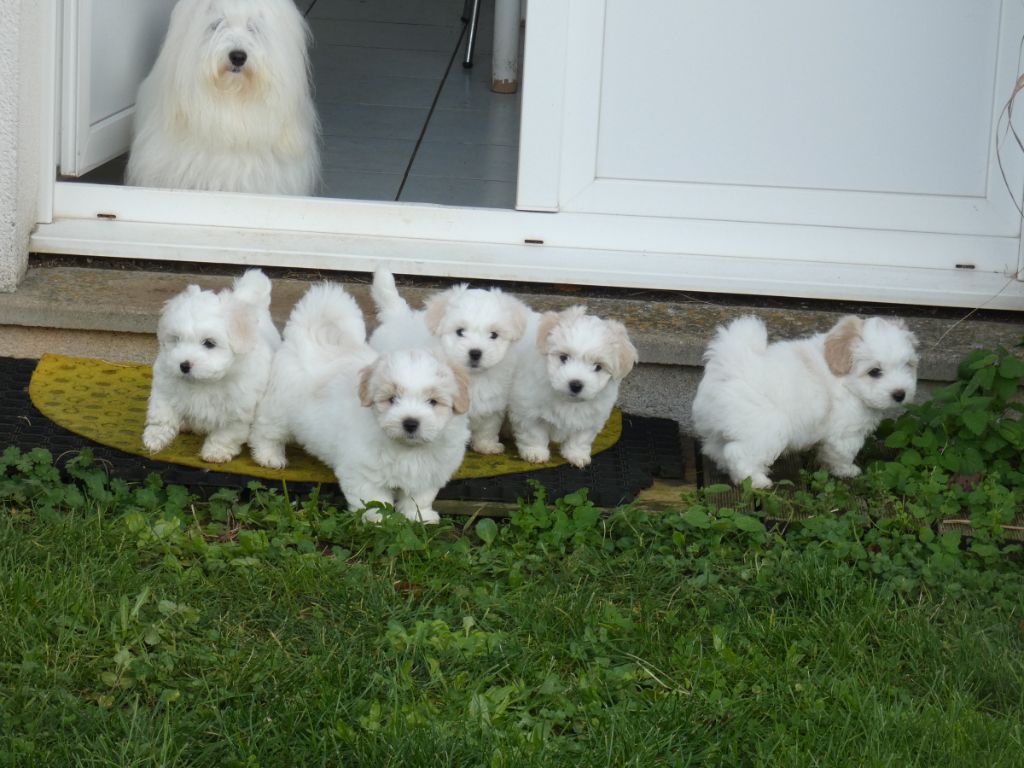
392	427
568	368
212	367
473	328
757	400
228	105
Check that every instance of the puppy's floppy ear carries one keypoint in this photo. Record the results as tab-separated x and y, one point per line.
434	309
839	344
625	356
547	324
365	393
517	313
461	401
243	324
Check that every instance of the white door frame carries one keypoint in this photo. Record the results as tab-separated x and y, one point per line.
581	248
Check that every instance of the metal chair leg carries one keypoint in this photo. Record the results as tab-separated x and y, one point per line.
472	8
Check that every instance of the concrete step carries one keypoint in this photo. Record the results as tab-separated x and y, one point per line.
112	313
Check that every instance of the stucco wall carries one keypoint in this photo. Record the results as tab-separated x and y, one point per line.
20	134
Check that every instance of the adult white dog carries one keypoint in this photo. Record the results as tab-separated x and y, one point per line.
472	327
228	105
212	367
568	368
392	427
757	400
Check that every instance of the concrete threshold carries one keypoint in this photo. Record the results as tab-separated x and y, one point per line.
113	313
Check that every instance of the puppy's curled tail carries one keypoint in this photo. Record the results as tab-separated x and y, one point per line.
386	298
326	320
253	288
733	343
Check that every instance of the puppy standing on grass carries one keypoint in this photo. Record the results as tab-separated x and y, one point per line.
212	367
568	368
474	328
757	400
228	105
392	427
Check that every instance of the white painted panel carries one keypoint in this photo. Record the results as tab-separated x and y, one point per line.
872	95
109	47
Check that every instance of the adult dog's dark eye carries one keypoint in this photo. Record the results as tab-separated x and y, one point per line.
875	373
209	343
460	332
494	334
564	358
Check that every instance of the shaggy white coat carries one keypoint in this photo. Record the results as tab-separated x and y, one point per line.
757	400
392	427
212	366
471	327
568	367
228	104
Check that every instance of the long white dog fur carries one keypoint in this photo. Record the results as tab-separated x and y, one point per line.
393	427
568	368
757	400
213	366
228	104
471	327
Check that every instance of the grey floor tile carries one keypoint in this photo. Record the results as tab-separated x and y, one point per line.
376	34
486	162
358	185
499	125
349	61
468	192
372	122
407	11
365	154
471	89
379	90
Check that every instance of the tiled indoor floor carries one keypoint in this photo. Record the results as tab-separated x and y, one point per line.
401	118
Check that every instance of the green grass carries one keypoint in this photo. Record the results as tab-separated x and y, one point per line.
143	628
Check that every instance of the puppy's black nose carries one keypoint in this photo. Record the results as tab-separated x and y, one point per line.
185	366
575	386
899	395
475	355
237	58
410	425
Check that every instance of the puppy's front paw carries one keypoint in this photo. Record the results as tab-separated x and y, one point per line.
372	516
156	437
426	516
272	457
578	457
534	454
488	447
216	454
846	470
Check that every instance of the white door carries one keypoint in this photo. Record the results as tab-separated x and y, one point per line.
868	115
109	47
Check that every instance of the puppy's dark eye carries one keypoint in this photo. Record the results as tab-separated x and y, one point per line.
494	334
460	332
432	403
564	358
209	343
215	25
875	373
598	368
392	400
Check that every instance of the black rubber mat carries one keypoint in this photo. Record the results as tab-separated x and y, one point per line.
649	447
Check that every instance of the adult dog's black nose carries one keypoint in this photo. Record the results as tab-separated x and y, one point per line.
237	58
899	395
575	386
185	366
410	425
475	355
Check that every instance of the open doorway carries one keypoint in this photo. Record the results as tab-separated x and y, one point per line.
402	119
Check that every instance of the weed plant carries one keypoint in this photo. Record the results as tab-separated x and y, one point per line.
146	627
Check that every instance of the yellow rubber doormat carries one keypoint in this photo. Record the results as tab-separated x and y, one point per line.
106	402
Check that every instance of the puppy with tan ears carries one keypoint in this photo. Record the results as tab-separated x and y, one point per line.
757	400
473	328
212	367
568	368
393	427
